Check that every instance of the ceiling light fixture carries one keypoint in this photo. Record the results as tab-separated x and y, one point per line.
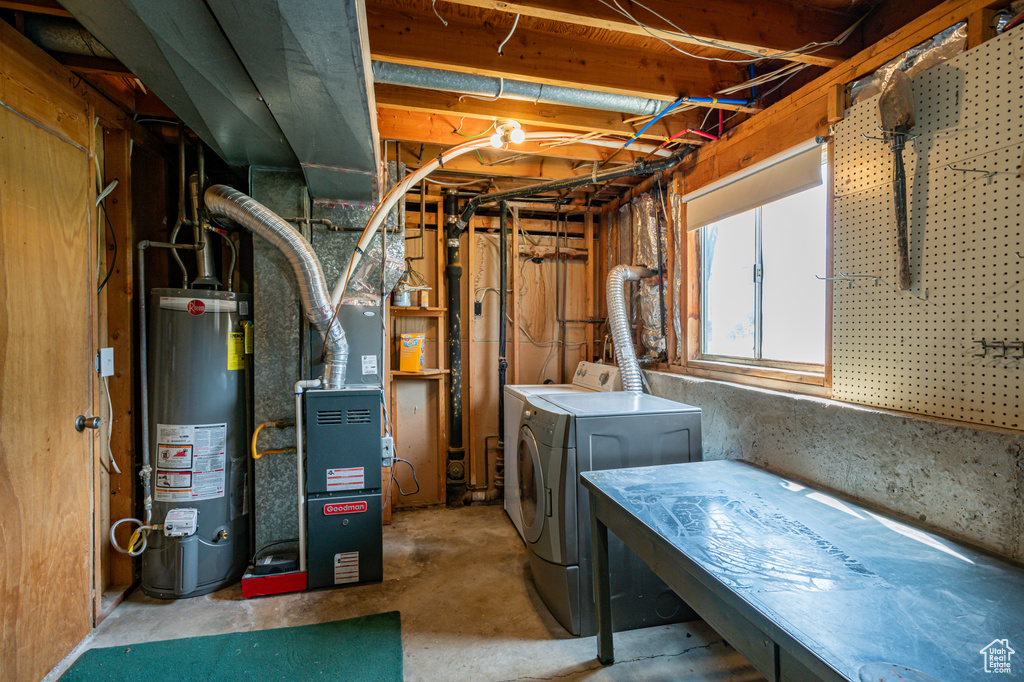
508	132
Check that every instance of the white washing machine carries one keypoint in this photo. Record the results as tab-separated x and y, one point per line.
590	377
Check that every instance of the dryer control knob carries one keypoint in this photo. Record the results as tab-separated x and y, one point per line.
526	415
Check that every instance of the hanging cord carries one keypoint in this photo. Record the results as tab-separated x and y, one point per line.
486	130
501	89
113	236
809	48
398	483
434	7
509	36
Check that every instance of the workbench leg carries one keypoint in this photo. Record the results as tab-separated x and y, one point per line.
602	587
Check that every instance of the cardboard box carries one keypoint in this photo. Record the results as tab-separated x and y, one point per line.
410	352
424	298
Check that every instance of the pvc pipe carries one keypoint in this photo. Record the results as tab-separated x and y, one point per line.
300	386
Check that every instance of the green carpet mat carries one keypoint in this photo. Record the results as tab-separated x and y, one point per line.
366	648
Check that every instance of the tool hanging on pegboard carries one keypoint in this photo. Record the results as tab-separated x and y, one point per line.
896	115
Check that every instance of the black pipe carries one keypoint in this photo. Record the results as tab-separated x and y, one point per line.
641	167
455	483
502	318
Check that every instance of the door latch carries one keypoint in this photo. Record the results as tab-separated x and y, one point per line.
82	423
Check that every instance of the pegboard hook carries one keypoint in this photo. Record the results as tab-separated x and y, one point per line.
984	349
987	173
890	135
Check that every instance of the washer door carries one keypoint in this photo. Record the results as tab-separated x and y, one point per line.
531	486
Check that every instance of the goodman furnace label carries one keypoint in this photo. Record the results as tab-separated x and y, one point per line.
345	479
346	568
190	460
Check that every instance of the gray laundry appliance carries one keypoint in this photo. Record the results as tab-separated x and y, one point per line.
589	377
563	435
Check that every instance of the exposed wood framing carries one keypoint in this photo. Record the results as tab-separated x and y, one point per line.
804	113
120	304
551	253
535	56
527	113
766	27
404	126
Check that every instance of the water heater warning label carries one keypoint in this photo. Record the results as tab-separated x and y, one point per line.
190	462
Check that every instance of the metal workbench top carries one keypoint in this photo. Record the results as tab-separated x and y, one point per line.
822	577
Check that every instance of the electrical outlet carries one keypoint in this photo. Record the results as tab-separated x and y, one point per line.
387	451
104	362
478	308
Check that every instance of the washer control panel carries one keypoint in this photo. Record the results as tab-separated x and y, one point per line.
597	377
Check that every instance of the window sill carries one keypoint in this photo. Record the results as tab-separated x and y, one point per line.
806	378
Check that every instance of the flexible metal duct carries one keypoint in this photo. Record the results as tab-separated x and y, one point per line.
625	354
316	297
488	86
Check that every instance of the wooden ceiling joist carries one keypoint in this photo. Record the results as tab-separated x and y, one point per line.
528	113
767	27
404	126
530	55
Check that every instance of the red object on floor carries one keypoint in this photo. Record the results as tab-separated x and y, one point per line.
277	583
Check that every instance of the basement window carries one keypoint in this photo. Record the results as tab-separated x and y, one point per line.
760	302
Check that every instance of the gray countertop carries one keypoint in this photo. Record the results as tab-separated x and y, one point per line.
851	585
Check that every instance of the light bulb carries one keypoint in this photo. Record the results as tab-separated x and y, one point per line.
517	135
496	140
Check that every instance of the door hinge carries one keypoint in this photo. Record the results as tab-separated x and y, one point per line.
758	273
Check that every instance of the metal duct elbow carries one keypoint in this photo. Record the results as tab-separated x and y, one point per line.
625	353
313	290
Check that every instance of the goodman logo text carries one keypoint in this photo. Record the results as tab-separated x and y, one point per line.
344	508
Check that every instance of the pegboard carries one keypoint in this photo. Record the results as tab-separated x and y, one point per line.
914	350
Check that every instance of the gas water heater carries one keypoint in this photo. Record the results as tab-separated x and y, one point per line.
197	441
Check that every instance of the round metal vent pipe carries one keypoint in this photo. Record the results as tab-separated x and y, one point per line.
388	73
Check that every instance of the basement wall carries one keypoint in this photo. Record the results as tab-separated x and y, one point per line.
960	480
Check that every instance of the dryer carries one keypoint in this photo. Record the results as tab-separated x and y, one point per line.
589	377
563	435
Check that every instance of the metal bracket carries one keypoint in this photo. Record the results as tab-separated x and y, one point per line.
986	173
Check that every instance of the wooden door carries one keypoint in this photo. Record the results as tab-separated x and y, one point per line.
46	289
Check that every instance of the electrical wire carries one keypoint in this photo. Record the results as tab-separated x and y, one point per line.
809	48
399	483
267	546
509	36
434	7
486	130
113	238
501	89
110	423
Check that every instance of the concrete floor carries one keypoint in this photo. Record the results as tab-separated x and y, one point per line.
469	612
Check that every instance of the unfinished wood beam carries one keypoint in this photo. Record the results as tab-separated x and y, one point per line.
551	253
836	103
472	47
51	7
980	28
404	126
528	113
804	113
534	169
767	27
120	309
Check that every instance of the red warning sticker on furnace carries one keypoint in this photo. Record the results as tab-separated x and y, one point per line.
345	479
196	307
344	508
